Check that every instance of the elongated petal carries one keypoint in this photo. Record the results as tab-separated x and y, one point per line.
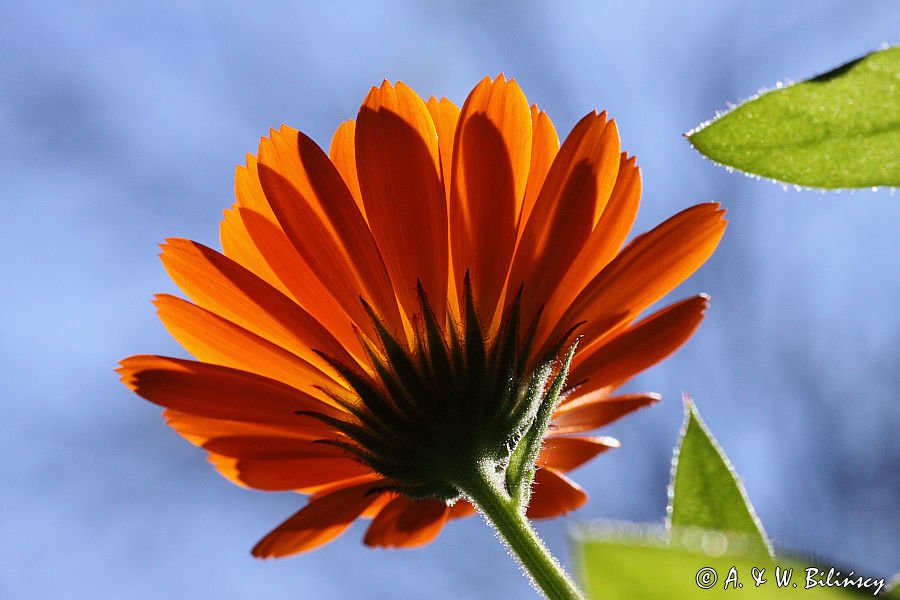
292	275
299	474
273	462
298	279
596	410
222	286
271	447
407	523
200	430
445	115
321	219
554	494
210	338
398	162
323	519
648	268
614	362
573	197
491	157
565	453
218	392
238	245
602	244
342	153
544	146
238	242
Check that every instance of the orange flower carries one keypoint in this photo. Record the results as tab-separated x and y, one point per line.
385	311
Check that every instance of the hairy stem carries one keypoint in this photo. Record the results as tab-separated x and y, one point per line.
487	492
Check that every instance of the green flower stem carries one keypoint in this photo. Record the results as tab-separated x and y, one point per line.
489	495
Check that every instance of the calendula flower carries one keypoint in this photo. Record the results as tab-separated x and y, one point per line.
390	327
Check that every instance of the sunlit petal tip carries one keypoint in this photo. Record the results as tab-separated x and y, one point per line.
609	442
126	372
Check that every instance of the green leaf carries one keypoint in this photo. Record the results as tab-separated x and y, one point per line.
636	565
894	588
838	130
705	491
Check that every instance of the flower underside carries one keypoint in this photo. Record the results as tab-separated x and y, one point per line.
430	415
391	408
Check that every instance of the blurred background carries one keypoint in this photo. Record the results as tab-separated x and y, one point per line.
121	124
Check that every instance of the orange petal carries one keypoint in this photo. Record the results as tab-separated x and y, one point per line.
407	523
491	157
212	339
221	392
565	453
238	245
299	474
298	279
399	169
222	286
544	146
322	221
234	471
342	153
445	115
248	189
239	242
226	438
323	519
274	258
613	362
373	509
462	509
596	410
271	447
554	494
603	243
572	198
199	430
648	268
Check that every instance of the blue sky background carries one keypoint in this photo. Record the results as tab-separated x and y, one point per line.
121	124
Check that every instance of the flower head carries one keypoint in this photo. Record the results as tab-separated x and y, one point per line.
387	315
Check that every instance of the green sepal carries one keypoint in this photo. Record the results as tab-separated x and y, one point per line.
504	360
521	468
400	362
387	418
438	357
360	434
475	351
